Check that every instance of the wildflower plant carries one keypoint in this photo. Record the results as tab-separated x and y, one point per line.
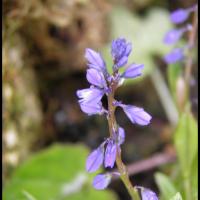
104	84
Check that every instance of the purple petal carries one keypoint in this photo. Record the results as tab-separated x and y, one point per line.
118	48
95	60
90	95
110	154
179	16
128	49
173	36
121	136
92	108
137	115
95	159
122	61
133	71
101	181
120	51
96	78
147	194
174	56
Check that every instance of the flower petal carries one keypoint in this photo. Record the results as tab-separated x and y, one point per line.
128	49
173	36
110	154
92	108
121	136
174	56
95	59
136	115
95	78
120	51
147	194
179	16
101	181
133	71
122	61
95	159
90	95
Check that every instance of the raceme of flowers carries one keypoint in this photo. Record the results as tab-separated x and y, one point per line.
90	103
173	36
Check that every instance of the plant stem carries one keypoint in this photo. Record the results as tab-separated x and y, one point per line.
189	60
113	126
187	77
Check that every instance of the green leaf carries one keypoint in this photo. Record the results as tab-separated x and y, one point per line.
194	178
177	196
145	33
186	141
56	173
28	195
165	185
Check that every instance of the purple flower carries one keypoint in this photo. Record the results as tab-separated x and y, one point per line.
174	56
136	115
120	51
95	60
179	16
90	95
134	70
95	159
101	181
92	108
173	36
110	154
146	194
96	78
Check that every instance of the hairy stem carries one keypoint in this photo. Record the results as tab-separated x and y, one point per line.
113	126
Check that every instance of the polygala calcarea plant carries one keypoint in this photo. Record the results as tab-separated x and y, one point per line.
103	83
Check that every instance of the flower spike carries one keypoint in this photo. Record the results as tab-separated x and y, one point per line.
90	100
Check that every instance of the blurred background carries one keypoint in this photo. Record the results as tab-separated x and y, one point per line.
46	137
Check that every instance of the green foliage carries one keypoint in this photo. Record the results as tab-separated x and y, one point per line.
53	174
165	185
177	196
145	33
186	144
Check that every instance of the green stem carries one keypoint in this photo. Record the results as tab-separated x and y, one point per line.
120	165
